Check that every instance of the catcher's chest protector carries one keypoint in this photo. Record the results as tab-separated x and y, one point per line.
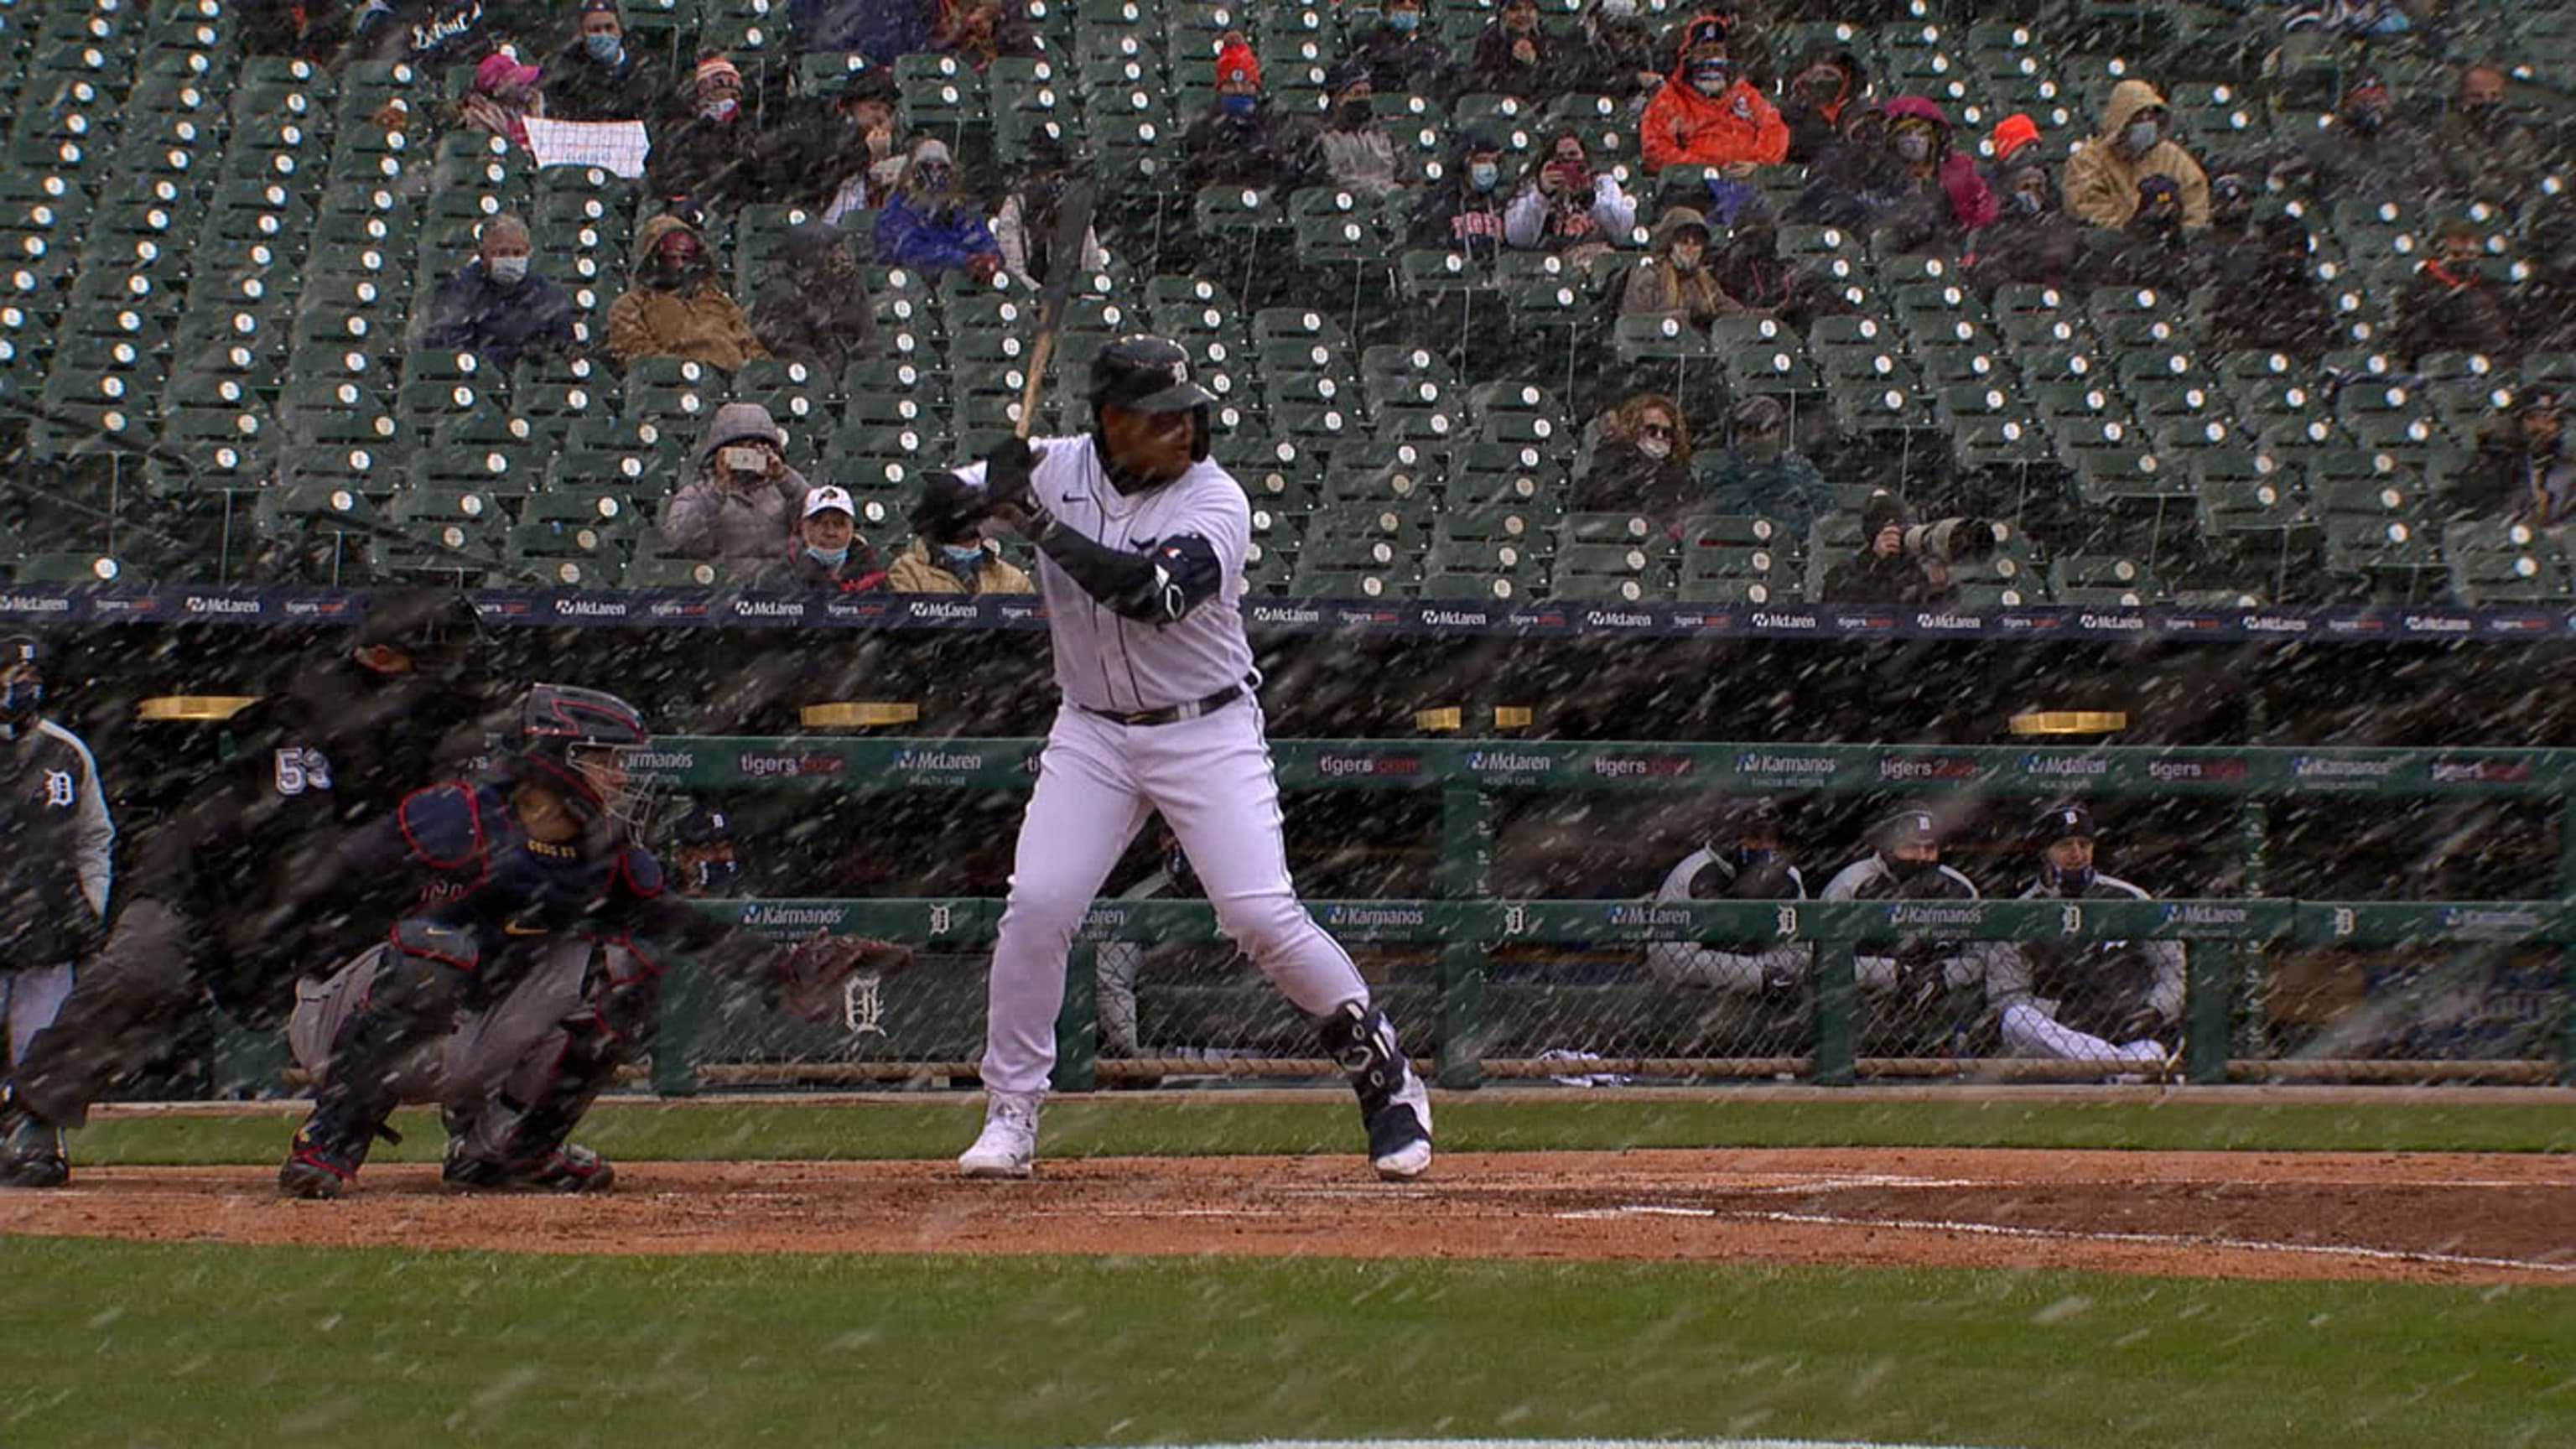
506	889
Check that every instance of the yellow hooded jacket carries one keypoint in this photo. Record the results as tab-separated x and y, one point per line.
2101	179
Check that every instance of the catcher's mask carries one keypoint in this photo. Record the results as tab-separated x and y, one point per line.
580	743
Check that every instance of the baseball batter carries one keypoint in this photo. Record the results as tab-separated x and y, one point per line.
1141	542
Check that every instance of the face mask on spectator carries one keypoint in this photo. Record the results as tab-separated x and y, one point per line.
1913	145
828	557
1711	77
1686	256
1238	105
2140	137
743	460
1483	174
1655	447
1354	112
509	271
722	108
963	555
2026	203
1821	85
605	48
1403	20
935	176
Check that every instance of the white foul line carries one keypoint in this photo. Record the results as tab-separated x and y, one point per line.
2070	1235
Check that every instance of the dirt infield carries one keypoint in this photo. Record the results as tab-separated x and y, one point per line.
2415	1217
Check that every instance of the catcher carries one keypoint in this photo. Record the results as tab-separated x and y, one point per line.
520	981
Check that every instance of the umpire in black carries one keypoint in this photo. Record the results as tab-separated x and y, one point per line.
212	903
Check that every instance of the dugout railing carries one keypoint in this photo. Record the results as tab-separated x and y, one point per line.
1479	1017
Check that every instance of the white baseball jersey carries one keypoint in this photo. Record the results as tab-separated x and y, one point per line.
1103	661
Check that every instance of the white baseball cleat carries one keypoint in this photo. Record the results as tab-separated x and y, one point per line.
1400	1133
1008	1145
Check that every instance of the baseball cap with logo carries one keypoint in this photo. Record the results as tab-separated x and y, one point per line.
826	498
2065	820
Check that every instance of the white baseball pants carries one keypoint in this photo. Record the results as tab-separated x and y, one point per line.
1210	778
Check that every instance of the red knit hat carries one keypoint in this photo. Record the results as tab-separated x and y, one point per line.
2012	133
1234	61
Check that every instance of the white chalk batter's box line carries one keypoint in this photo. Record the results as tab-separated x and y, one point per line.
2069	1235
1564	1444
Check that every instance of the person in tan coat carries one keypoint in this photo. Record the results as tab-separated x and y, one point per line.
1672	281
675	308
2101	178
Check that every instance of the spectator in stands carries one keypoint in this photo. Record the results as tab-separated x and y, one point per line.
1240	139
1904	864
595	77
2084	1000
1025	226
495	306
1673	280
675	308
2357	20
734	508
881	30
2032	239
2010	137
2450	306
870	163
956	561
927	225
714	139
2371	153
2523	471
827	556
980	32
1709	115
1750	270
703	855
1882	571
1940	197
2101	178
503	96
1759	475
1352	150
1517	56
1399	59
2266	299
1742	861
1464	211
2231	216
1828	78
1857	178
814	306
1616	54
2152	251
1640	462
2489	154
1567	207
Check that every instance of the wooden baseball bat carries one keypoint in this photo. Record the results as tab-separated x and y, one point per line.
1064	263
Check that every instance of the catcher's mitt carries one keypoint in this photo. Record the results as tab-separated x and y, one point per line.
812	972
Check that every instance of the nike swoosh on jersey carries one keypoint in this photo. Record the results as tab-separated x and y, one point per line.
513	928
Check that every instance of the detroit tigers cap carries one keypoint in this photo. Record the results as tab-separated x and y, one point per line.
1146	374
2065	820
1911	823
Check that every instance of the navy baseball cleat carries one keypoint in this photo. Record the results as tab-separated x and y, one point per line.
313	1171
569	1168
31	1149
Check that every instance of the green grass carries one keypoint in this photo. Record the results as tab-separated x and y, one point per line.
1204	1125
116	1344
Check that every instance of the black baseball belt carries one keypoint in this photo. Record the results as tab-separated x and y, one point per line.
1175	713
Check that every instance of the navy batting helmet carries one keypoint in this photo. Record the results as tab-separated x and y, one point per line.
1148	374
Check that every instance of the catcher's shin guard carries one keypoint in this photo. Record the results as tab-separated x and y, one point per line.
1393	1105
412	1001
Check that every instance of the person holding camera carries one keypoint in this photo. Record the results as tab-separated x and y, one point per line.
1899	560
1566	207
735	510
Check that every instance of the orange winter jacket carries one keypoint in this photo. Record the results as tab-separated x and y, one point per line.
1684	128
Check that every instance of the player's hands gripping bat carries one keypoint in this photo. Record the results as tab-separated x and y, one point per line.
813	971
